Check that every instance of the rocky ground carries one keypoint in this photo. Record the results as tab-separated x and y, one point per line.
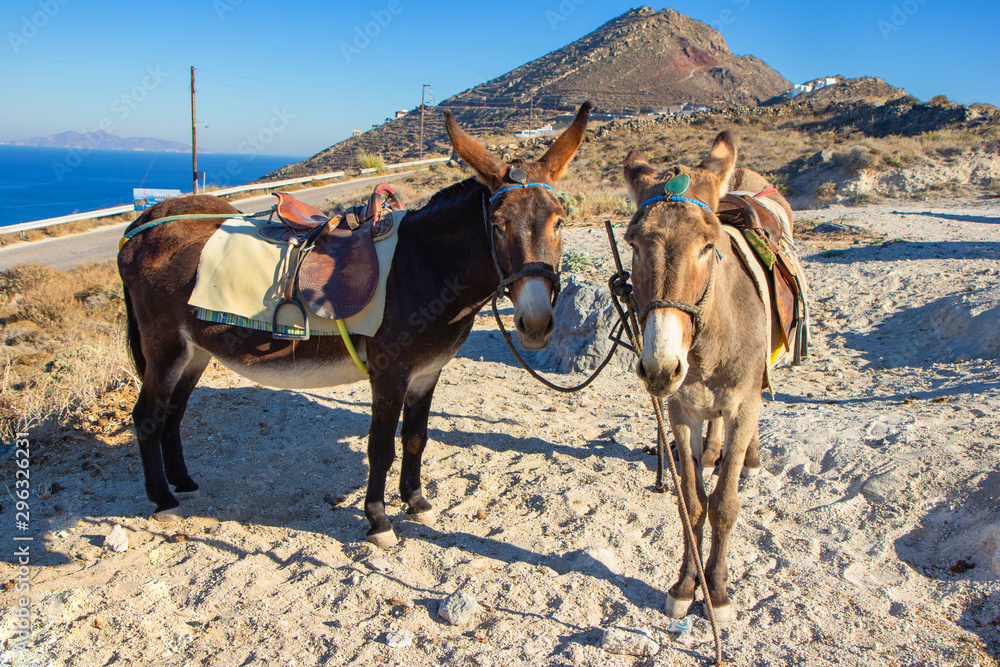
872	536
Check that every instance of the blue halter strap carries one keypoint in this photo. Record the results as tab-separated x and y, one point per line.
653	200
520	185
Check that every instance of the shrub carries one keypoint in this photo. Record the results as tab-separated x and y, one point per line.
575	261
370	161
825	193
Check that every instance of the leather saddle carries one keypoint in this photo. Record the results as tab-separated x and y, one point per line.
767	235
332	264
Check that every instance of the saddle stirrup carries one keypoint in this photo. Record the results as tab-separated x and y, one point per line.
297	250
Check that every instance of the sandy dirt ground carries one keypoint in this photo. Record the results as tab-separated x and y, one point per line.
871	537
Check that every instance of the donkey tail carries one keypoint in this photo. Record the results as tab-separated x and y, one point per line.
132	333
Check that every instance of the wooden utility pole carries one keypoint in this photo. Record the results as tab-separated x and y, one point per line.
420	151
194	139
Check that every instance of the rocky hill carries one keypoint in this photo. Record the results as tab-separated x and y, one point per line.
643	60
399	139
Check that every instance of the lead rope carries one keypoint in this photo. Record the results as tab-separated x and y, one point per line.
505	282
624	293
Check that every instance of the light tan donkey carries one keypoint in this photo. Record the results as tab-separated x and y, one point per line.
706	336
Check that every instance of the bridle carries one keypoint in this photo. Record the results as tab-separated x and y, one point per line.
697	309
545	271
540	269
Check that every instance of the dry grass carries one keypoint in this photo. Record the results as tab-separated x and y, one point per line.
62	342
65	229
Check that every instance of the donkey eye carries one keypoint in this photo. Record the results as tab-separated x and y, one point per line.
558	225
707	249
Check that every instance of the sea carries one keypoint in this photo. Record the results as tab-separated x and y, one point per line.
38	183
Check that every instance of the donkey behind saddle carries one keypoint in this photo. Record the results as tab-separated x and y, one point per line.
333	266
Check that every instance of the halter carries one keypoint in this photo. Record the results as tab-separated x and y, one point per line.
530	269
653	200
696	310
520	185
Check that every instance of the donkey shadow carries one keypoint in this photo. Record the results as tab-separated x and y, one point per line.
287	459
957	217
958	540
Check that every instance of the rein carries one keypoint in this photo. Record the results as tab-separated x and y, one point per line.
544	271
695	310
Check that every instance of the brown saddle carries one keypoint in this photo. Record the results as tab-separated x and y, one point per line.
333	265
766	235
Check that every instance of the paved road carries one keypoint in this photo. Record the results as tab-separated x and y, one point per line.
66	252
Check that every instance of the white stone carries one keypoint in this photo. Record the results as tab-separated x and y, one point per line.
623	641
398	638
378	564
116	540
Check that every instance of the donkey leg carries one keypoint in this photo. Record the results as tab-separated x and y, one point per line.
713	447
150	416
170	441
751	463
416	409
681	594
388	393
724	505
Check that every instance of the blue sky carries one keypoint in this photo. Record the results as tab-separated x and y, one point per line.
296	77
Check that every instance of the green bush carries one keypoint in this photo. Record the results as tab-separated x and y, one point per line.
370	161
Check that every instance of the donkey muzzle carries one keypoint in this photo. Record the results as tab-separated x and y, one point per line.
533	316
663	364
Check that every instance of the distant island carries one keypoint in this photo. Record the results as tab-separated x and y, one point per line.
102	141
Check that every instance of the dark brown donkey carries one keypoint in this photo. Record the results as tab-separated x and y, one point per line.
442	274
704	341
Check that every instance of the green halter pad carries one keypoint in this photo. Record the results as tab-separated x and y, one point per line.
677	185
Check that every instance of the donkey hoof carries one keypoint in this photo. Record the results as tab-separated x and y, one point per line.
169	515
749	472
675	608
384	540
427	517
181	495
724	613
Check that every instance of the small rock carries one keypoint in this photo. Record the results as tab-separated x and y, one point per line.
481	515
832	227
822	157
458	608
398	638
378	564
623	641
116	540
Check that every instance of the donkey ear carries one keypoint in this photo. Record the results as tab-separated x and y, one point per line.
721	161
557	158
639	174
486	165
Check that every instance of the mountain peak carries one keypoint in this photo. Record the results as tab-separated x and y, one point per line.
642	60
